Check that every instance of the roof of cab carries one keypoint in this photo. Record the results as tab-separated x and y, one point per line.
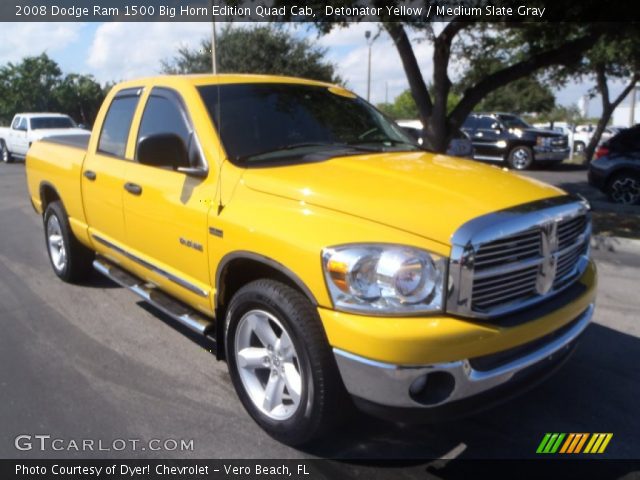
227	78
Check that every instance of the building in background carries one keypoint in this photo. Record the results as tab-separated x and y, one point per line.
628	112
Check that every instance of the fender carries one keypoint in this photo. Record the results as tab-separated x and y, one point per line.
243	254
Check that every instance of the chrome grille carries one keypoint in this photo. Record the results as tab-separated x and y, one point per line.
560	141
507	250
569	230
492	291
523	258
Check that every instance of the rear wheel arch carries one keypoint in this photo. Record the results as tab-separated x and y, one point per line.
240	268
48	194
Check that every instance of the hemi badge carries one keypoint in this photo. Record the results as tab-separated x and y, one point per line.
216	232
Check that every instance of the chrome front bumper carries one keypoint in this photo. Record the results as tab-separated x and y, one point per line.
402	386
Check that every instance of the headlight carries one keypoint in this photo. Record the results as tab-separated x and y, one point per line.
384	279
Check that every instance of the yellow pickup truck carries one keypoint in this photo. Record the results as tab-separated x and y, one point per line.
329	257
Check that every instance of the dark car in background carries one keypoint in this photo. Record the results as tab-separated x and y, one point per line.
504	137
616	168
459	146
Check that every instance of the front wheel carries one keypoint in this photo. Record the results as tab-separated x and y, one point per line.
280	362
520	158
4	152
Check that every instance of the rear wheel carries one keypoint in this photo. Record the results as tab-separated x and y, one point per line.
71	261
520	158
4	153
624	188
280	362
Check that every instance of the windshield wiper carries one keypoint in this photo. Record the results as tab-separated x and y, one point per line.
294	146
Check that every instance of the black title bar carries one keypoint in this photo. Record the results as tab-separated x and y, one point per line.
314	11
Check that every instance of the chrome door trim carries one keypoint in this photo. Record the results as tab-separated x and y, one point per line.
154	268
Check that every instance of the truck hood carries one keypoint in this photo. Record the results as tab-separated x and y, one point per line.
51	132
542	132
422	193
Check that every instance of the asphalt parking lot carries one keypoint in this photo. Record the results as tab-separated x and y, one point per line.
91	361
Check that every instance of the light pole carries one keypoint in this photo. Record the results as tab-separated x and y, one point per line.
370	40
214	63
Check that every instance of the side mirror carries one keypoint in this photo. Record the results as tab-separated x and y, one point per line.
496	126
163	150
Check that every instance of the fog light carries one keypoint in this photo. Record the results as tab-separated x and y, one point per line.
432	388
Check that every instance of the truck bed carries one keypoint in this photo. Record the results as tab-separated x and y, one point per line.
78	141
55	164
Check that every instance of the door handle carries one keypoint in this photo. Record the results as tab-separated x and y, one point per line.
133	188
90	174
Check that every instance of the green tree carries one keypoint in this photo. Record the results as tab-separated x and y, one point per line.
262	49
27	86
526	95
404	106
79	96
559	113
37	84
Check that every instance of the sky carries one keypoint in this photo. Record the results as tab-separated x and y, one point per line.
119	51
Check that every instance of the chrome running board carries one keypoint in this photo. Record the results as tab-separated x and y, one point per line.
151	294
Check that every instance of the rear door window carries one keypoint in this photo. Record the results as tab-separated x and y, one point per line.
486	123
117	123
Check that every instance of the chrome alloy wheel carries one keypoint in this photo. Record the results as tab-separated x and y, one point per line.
625	190
268	364
55	240
521	158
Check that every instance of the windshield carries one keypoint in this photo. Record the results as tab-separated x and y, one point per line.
266	122
511	121
41	123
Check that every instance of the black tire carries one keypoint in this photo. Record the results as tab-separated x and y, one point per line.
5	154
322	399
520	157
78	259
624	188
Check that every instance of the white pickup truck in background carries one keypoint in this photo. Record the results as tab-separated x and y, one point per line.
26	128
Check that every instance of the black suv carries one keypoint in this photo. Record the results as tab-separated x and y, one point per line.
504	137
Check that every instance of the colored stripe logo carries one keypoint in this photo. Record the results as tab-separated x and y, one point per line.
574	443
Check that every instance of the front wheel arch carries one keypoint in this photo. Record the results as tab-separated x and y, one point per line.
239	268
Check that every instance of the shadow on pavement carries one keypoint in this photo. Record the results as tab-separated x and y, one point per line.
564	167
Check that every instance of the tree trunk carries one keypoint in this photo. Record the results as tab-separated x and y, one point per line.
608	108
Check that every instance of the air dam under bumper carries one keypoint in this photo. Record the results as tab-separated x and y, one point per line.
429	386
